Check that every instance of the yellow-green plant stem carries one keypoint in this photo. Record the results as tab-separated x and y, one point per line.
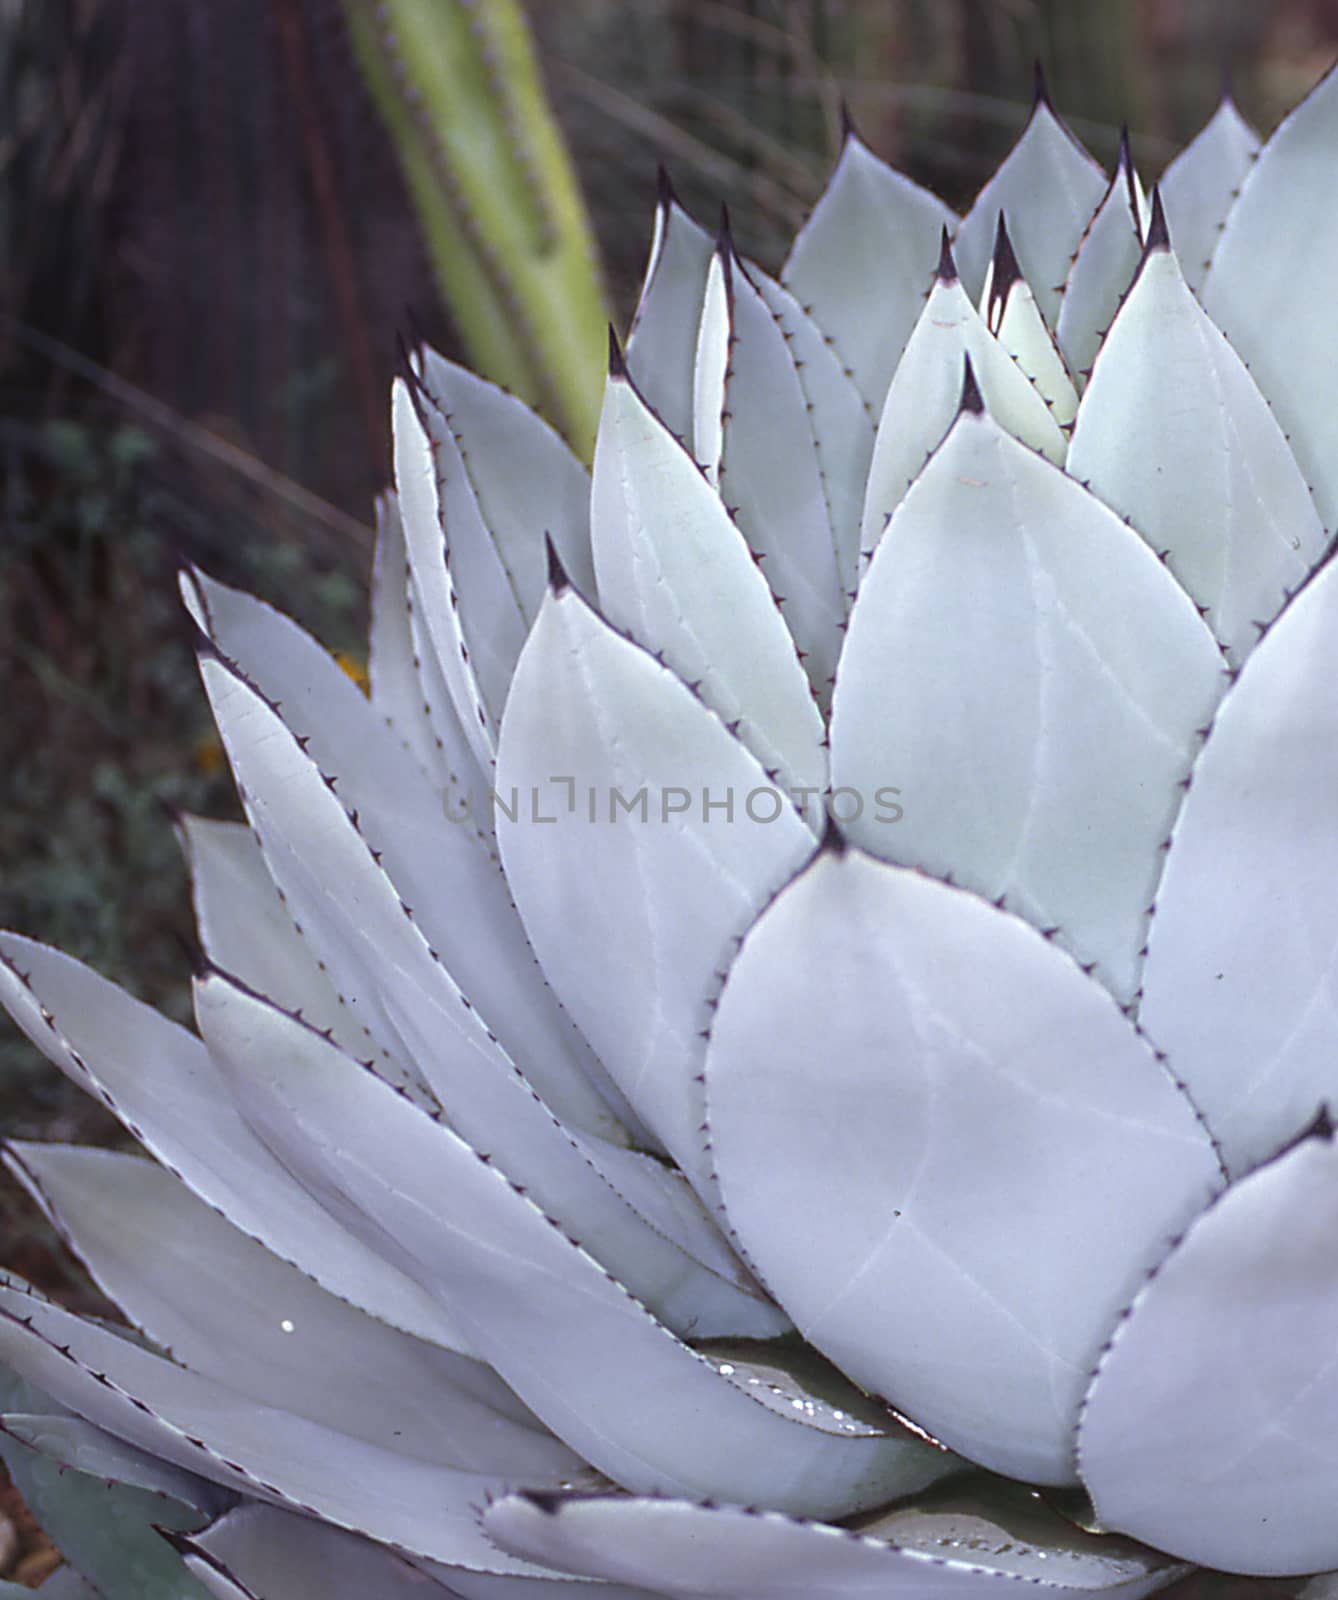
458	85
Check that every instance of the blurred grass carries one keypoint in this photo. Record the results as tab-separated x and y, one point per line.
183	375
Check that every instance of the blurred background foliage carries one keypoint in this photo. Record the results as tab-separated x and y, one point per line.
207	252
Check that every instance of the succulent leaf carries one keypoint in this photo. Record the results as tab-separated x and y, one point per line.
592	724
225	1307
1102	270
676	575
1246	1484
662	359
952	1038
710	1552
587	1357
1239	985
1276	258
767	464
1013	317
1200	186
262	1451
270	1058
925	395
862	262
1022	667
1049	189
1211	485
159	1080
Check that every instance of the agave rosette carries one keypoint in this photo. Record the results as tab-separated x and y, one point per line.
785	1047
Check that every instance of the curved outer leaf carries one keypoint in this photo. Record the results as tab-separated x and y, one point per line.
862	262
926	394
633	918
955	1208
226	1308
661	346
549	496
1208	1430
263	1051
266	1453
708	1552
245	928
841	419
395	685
1241	983
1268	285
1174	435
273	1555
438	866
421	519
158	1079
1023	668
675	573
380	948
71	1442
1049	188
107	1531
1200	186
610	1380
769	470
1103	269
505	482
283	1557
1013	317
405	683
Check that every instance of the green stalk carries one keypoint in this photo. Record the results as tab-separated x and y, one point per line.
458	86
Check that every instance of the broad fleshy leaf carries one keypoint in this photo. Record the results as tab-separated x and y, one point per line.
1209	1427
1102	270
386	954
222	1305
633	854
862	262
245	928
159	1081
1013	317
264	1052
926	394
263	1452
767	464
429	566
1033	680
268	1554
1049	188
661	345
1272	269
956	1546
957	1206
1241	982
676	575
71	1442
582	1352
1200	186
1174	435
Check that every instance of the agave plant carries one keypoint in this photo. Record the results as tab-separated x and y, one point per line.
785	1048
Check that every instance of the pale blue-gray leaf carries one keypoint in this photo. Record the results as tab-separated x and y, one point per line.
632	854
1174	435
957	1205
1049	188
676	575
1241	982
1209	1427
862	262
1200	186
1031	677
1268	285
